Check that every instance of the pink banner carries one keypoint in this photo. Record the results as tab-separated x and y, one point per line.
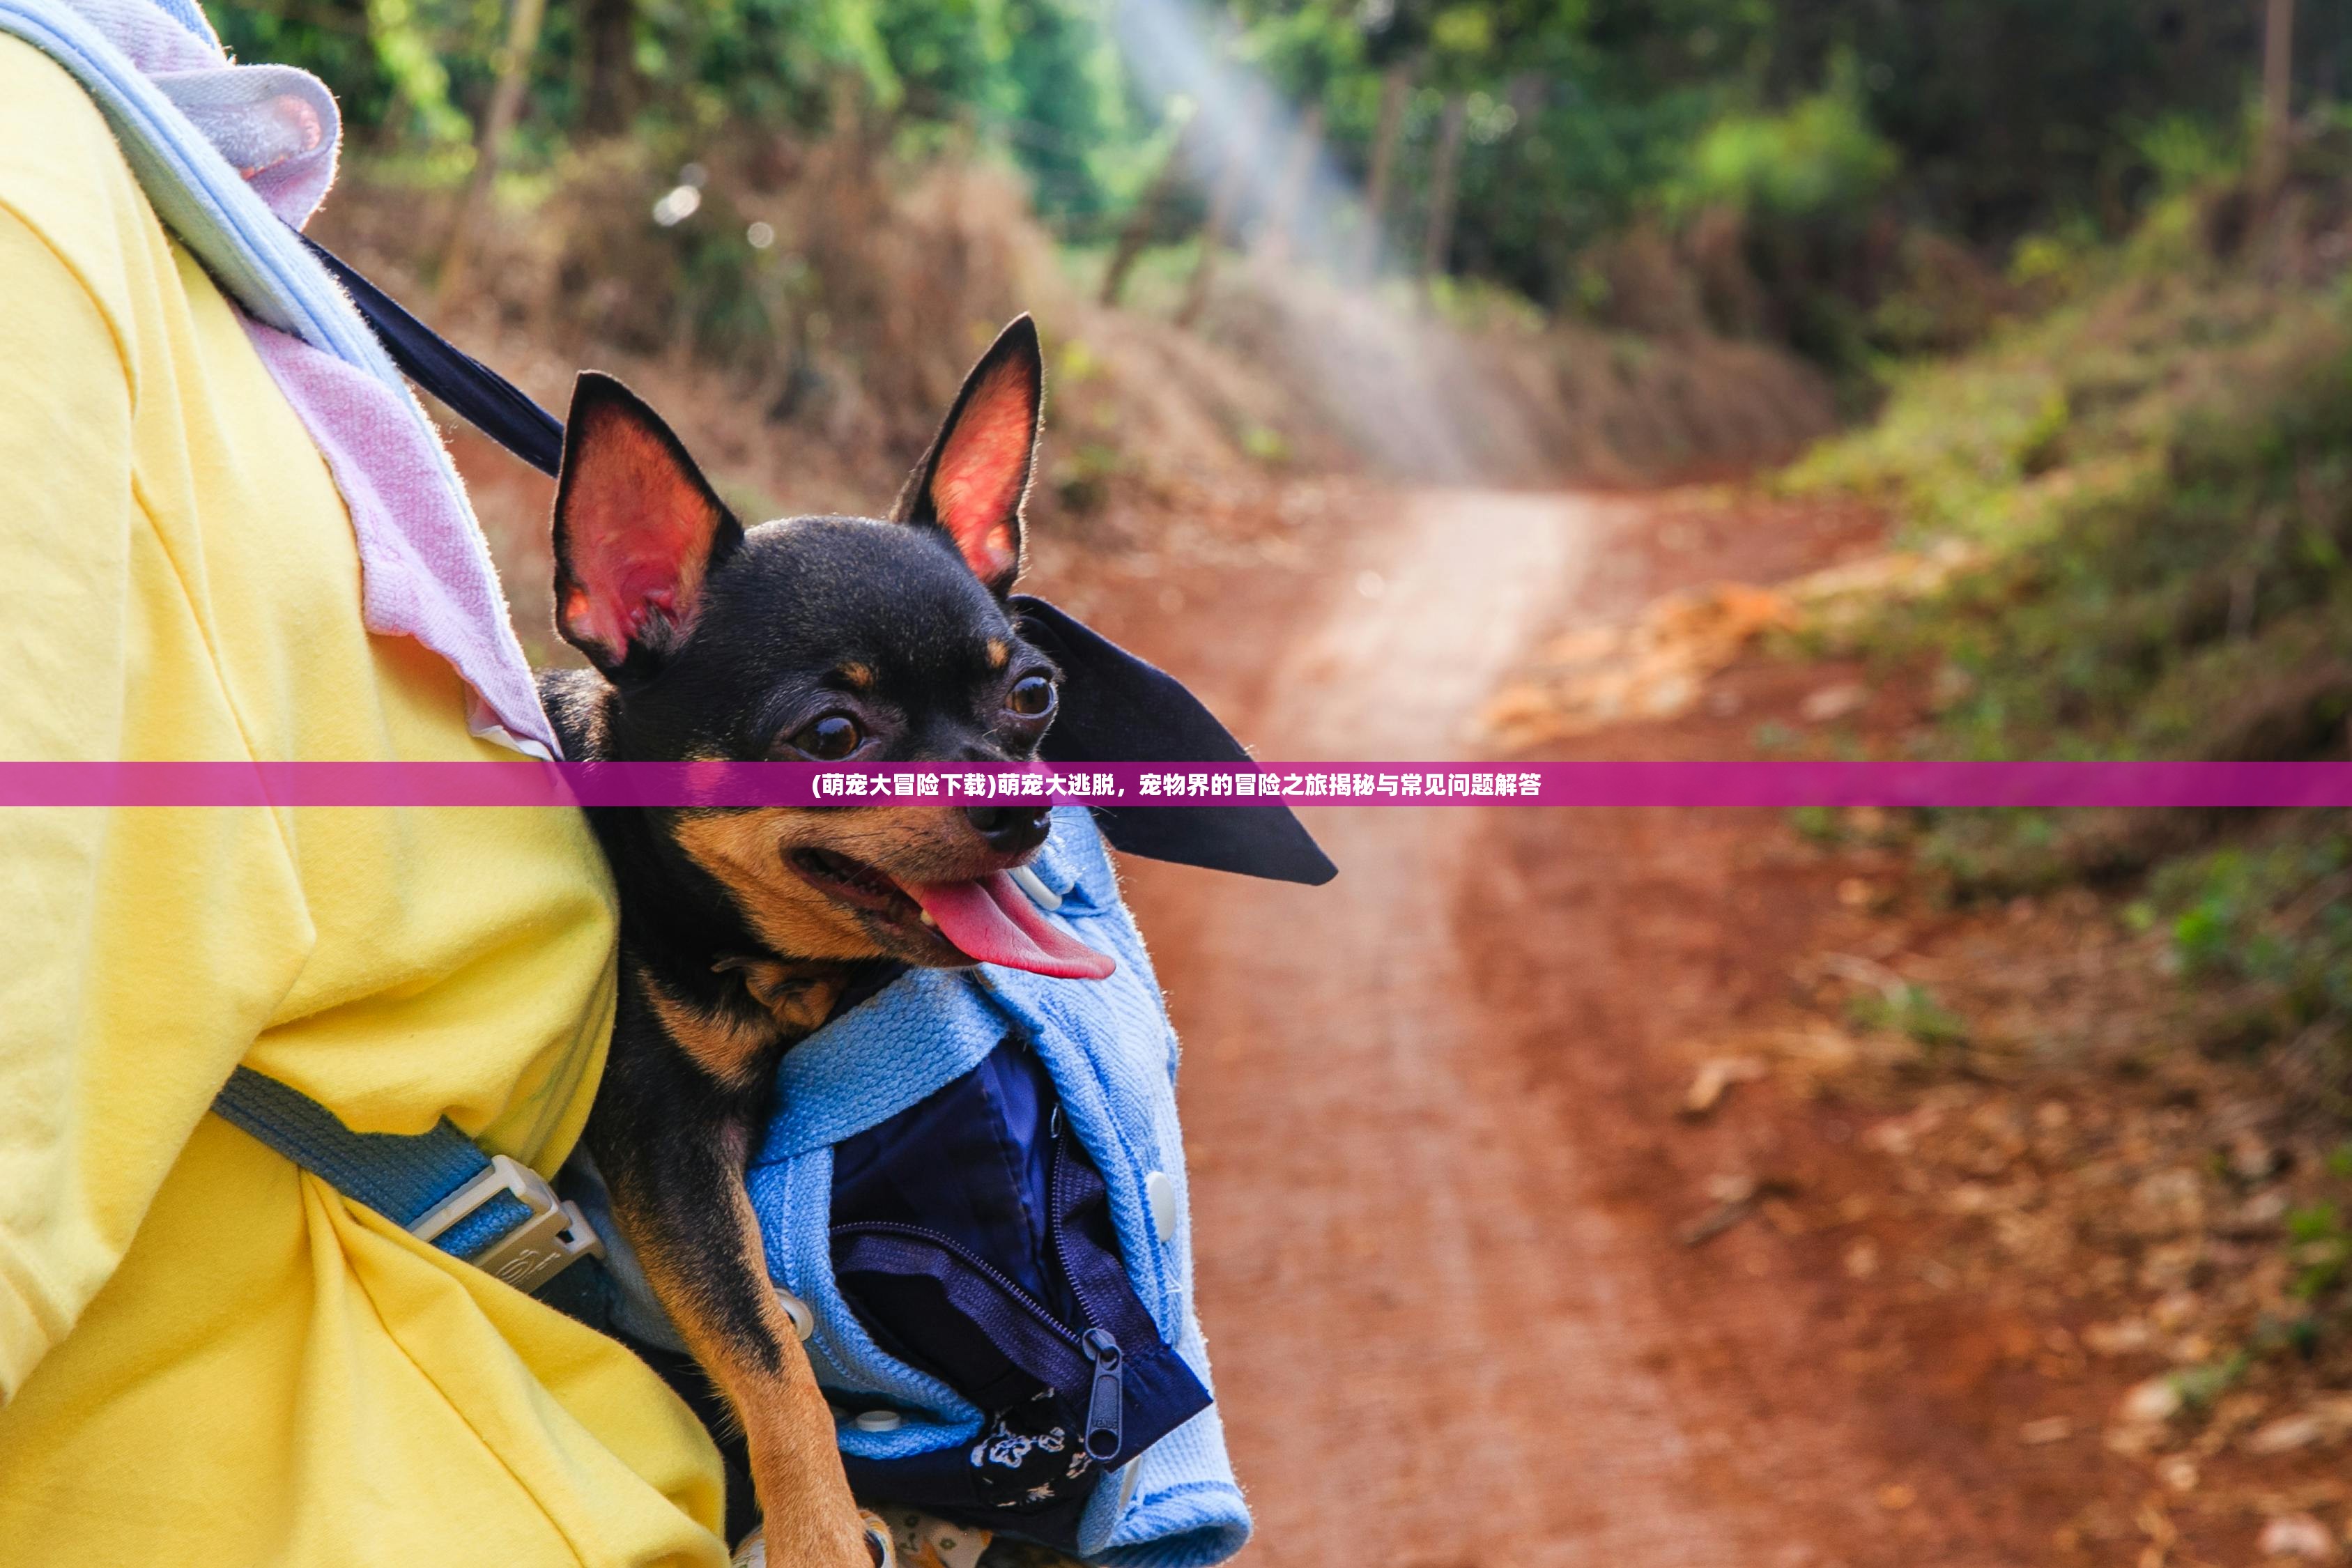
1145	785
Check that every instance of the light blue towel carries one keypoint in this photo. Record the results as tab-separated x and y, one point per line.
1112	1056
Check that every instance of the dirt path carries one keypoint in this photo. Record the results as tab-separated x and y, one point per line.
1449	1329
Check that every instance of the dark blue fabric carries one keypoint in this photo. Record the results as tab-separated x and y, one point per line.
981	1174
972	1237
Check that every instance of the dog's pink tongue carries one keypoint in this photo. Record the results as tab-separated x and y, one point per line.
993	920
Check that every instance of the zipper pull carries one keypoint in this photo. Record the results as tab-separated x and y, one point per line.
1103	1404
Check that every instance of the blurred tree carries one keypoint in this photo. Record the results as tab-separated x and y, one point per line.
1515	140
609	36
1143	219
2278	92
1437	238
1380	178
523	20
1226	201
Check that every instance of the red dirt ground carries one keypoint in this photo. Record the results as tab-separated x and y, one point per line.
1441	1191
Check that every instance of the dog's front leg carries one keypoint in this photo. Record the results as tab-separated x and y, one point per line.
678	1193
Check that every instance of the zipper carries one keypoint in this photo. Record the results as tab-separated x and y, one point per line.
974	1261
1103	1404
1106	1397
1105	1390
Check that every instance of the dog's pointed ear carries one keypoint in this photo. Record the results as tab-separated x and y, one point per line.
637	532
972	483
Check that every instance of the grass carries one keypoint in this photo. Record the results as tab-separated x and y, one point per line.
2158	473
1910	1010
2163	478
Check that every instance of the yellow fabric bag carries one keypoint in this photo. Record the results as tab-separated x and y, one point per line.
207	1356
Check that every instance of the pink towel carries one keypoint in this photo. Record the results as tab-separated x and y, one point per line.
426	569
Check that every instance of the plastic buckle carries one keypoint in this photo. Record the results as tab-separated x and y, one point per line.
556	1235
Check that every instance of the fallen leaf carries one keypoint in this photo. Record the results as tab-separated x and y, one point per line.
2049	1429
2151	1403
2296	1535
1732	1187
2253	1158
1715	1079
1714	1222
2286	1433
1735	1194
2126	1336
1834	702
2326	1420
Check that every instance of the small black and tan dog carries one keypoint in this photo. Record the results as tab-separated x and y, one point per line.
825	638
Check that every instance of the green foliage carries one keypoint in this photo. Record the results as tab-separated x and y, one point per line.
2184	151
1041	78
1266	446
766	61
1817	158
2320	1247
2267	932
2157	477
2164	479
1911	1010
1817	824
2003	117
419	81
1069	117
2200	1385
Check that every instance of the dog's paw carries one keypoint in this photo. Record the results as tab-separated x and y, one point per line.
754	1551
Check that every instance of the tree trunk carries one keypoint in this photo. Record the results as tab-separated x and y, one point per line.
1291	188
611	29
523	20
1438	240
1396	93
2278	94
1144	221
1224	206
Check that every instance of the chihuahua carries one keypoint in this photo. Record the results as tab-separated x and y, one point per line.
829	639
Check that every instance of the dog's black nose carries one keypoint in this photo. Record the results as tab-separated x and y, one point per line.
1010	829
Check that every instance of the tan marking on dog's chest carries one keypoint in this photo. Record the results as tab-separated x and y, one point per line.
726	1045
799	993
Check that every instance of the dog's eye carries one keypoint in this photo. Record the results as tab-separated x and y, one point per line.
829	738
1032	696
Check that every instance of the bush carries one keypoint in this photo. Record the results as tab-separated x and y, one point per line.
1819	160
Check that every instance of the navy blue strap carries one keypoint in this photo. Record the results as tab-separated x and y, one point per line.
476	392
402	1176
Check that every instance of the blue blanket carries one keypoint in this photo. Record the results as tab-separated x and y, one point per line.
1112	1056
